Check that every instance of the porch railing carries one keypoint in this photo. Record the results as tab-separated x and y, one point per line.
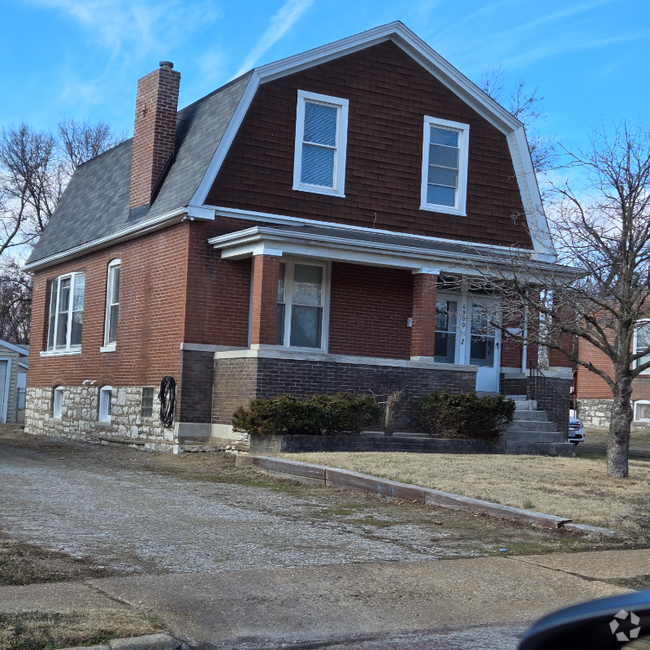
540	388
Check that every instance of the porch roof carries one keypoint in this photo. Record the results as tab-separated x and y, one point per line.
405	251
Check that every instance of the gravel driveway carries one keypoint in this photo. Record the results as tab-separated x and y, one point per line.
134	512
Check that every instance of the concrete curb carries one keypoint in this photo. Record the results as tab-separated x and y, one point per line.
148	642
321	475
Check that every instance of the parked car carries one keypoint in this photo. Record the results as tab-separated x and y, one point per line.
610	623
576	430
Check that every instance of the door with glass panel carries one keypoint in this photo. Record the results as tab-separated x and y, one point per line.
484	344
301	301
447	321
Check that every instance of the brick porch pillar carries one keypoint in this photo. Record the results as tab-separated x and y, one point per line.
423	330
266	271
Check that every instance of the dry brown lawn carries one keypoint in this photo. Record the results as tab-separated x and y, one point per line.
576	488
44	631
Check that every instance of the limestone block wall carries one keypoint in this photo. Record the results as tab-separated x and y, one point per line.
595	413
80	416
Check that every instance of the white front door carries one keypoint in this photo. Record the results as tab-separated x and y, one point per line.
484	344
464	336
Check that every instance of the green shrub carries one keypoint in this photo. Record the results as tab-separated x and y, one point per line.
464	415
318	415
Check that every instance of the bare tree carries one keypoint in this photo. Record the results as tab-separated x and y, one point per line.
526	106
35	167
603	232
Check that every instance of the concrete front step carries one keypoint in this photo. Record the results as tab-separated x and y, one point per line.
534	436
539	416
532	425
541	448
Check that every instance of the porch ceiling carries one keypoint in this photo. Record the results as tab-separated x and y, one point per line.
374	249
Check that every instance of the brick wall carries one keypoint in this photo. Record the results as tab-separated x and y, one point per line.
194	397
239	380
369	308
153	281
389	96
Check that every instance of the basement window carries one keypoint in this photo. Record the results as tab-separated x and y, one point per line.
146	410
642	411
444	166
57	402
321	142
105	399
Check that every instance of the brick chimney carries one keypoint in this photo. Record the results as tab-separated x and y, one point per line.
154	132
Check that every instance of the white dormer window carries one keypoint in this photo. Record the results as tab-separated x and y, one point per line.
444	166
321	142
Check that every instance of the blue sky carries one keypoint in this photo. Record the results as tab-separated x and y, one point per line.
82	58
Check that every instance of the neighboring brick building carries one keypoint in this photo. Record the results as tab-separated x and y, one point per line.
312	226
595	397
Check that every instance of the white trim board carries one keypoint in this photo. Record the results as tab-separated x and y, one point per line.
251	215
14	348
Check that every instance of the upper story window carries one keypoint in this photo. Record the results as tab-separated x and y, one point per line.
444	166
321	141
66	313
301	305
112	305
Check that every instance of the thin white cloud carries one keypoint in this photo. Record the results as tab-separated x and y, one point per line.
140	25
280	24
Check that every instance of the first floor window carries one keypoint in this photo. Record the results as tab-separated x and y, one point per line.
301	305
112	303
444	166
105	398
57	402
66	312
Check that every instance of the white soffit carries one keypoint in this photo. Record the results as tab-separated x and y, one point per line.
437	66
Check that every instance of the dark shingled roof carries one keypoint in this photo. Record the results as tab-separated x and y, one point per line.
95	203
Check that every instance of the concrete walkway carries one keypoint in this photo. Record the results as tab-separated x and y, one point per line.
481	602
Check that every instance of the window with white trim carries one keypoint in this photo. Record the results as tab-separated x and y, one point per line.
57	402
642	343
444	166
105	399
301	313
66	313
321	142
642	411
112	305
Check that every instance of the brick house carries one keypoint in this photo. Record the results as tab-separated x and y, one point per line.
594	398
312	226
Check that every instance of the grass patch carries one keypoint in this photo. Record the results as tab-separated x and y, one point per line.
640	583
46	631
575	488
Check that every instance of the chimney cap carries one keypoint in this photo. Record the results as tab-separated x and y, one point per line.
166	64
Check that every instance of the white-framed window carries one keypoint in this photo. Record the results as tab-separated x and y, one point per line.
302	305
66	313
444	166
321	143
105	398
57	402
112	306
642	343
642	410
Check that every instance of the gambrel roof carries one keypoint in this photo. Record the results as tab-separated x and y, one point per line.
94	209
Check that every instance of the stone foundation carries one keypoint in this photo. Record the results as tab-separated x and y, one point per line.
595	413
80	417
